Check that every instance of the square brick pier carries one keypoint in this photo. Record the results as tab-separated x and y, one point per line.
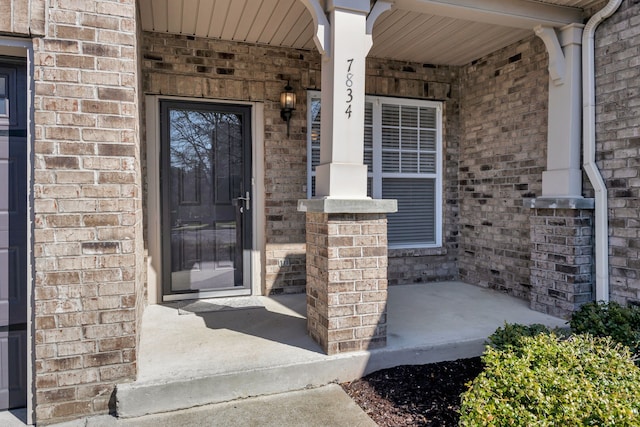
347	273
562	276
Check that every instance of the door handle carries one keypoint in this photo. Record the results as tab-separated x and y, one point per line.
246	200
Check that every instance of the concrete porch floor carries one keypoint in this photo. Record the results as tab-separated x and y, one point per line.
194	359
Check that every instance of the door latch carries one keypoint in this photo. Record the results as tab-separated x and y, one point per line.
246	202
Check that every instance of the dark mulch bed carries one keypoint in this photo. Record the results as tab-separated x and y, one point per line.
423	395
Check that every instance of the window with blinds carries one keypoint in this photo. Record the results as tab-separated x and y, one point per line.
403	154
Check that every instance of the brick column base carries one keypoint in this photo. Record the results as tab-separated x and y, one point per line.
347	281
347	274
562	275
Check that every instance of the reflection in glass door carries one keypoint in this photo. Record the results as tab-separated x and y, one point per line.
206	197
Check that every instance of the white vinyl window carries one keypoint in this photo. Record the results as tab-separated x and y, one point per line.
403	154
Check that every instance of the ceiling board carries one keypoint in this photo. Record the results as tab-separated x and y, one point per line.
203	19
266	10
219	17
232	21
189	14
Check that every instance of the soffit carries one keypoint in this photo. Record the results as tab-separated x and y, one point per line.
403	33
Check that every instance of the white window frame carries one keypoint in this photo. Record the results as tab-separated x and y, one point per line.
377	175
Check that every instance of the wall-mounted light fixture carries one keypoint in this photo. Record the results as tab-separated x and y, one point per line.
287	104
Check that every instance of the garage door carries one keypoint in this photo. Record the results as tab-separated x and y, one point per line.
13	231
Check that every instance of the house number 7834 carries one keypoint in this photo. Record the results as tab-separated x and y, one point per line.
349	84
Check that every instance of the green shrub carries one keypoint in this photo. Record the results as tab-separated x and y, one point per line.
548	381
511	333
622	324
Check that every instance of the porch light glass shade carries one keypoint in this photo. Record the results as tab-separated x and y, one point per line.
288	99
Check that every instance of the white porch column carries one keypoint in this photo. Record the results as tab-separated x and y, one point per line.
341	173
560	283
563	177
346	231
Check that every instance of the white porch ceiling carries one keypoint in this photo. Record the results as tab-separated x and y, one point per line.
453	32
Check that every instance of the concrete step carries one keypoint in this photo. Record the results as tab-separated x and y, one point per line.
141	398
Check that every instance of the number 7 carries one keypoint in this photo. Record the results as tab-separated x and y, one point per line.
350	61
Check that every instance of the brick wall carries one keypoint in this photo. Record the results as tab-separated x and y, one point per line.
89	266
502	157
23	17
441	83
213	69
618	143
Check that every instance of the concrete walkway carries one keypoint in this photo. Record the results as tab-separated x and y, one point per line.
13	418
322	407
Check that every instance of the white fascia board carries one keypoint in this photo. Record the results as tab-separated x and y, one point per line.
522	14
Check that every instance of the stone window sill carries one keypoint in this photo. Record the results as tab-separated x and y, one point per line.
401	253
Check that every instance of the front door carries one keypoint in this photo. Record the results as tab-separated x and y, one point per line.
206	199
13	233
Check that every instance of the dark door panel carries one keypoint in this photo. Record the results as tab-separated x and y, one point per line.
205	177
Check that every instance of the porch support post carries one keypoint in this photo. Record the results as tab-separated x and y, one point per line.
561	219
341	172
563	177
346	230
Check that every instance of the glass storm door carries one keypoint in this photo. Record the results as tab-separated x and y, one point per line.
206	199
13	234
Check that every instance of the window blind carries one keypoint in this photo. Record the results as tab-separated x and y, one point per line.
415	221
